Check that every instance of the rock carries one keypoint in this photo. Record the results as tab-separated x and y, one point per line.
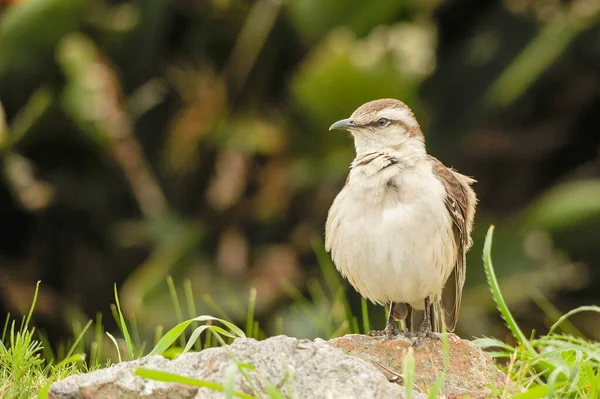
118	381
471	372
353	366
298	368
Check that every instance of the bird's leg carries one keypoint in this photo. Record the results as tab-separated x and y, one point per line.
426	325
425	332
390	331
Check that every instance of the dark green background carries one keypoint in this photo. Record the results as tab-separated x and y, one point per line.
189	138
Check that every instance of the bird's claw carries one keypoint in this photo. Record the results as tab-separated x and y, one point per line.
376	333
389	333
424	336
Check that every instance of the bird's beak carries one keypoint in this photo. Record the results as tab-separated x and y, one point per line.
344	124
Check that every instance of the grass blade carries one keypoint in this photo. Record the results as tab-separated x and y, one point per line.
176	306
45	390
114	341
364	306
536	392
408	371
123	325
250	315
191	305
497	294
25	325
78	339
172	335
573	312
170	377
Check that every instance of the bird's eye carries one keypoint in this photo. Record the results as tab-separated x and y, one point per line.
383	122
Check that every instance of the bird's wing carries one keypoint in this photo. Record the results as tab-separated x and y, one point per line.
460	203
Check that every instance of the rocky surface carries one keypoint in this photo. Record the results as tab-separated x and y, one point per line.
353	366
298	368
471	372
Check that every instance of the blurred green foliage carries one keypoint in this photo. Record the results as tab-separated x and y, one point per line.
189	138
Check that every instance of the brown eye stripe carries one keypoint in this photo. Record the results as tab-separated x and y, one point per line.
374	124
399	123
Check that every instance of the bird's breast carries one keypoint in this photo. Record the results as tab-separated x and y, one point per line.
390	235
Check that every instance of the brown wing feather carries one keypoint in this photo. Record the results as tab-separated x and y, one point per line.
460	203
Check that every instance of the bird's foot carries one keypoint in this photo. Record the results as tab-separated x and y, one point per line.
424	336
390	331
376	333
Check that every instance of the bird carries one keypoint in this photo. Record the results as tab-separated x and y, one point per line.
401	226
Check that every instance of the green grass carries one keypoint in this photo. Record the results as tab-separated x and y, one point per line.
560	364
23	369
555	365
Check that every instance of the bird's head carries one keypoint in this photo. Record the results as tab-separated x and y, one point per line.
383	125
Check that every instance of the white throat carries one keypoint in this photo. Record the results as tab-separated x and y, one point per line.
408	151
